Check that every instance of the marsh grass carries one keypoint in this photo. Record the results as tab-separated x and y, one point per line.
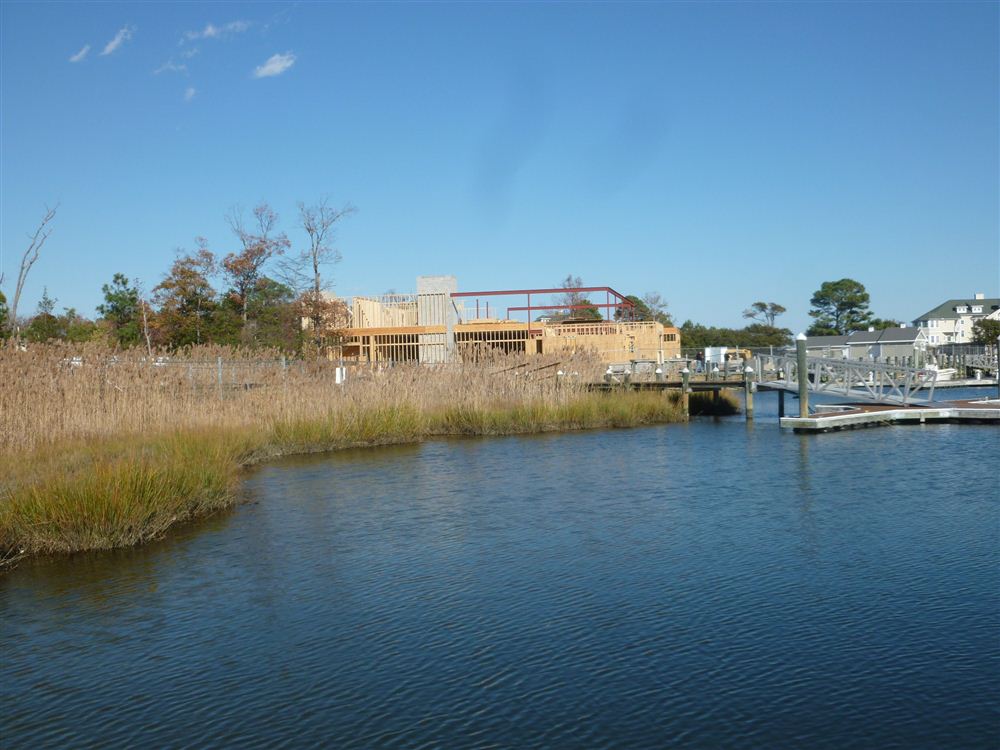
104	449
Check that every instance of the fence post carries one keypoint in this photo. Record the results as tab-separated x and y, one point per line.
800	354
218	363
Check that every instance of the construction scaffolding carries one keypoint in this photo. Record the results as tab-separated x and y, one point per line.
430	327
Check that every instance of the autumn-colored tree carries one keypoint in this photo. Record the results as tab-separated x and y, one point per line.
186	299
260	242
326	320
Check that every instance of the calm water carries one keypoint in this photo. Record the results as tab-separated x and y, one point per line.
702	585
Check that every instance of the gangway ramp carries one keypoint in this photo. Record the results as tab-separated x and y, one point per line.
855	380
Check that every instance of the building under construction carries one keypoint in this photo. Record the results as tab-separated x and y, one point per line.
441	324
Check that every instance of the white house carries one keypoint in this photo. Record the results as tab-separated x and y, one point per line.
951	322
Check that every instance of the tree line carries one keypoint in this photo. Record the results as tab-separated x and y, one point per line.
258	294
265	293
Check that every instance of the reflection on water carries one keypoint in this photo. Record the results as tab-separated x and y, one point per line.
702	585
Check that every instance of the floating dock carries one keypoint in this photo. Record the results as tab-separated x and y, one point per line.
831	417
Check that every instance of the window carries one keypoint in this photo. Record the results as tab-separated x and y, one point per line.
977	308
961	309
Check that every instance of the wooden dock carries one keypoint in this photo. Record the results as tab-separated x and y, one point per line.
831	417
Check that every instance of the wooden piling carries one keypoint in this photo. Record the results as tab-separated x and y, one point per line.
748	392
803	374
685	390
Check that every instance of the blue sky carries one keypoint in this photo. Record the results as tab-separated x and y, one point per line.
718	153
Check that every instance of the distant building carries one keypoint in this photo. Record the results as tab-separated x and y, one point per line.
951	322
889	343
431	327
886	344
828	346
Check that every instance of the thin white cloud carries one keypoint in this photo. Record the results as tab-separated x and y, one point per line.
189	93
275	65
171	67
211	31
123	35
189	53
81	54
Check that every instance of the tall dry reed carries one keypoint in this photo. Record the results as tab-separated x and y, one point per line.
102	449
53	393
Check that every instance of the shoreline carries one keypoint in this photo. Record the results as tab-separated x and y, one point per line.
120	492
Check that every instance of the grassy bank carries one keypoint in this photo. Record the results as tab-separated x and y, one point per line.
103	451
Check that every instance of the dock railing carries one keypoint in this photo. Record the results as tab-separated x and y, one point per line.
847	378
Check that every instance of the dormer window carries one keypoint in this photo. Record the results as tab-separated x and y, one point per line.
977	308
961	309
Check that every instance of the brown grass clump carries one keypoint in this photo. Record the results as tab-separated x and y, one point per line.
103	449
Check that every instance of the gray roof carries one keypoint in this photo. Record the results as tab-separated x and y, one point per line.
898	335
864	337
947	309
823	341
892	335
885	336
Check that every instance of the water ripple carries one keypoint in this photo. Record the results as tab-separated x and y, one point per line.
689	586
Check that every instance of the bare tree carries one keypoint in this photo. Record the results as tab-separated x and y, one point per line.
572	297
145	318
657	308
304	271
259	242
578	306
28	260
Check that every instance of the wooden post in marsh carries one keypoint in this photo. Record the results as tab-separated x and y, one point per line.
781	403
803	375
685	401
748	392
218	364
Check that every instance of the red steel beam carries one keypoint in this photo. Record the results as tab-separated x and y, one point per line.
570	307
560	290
